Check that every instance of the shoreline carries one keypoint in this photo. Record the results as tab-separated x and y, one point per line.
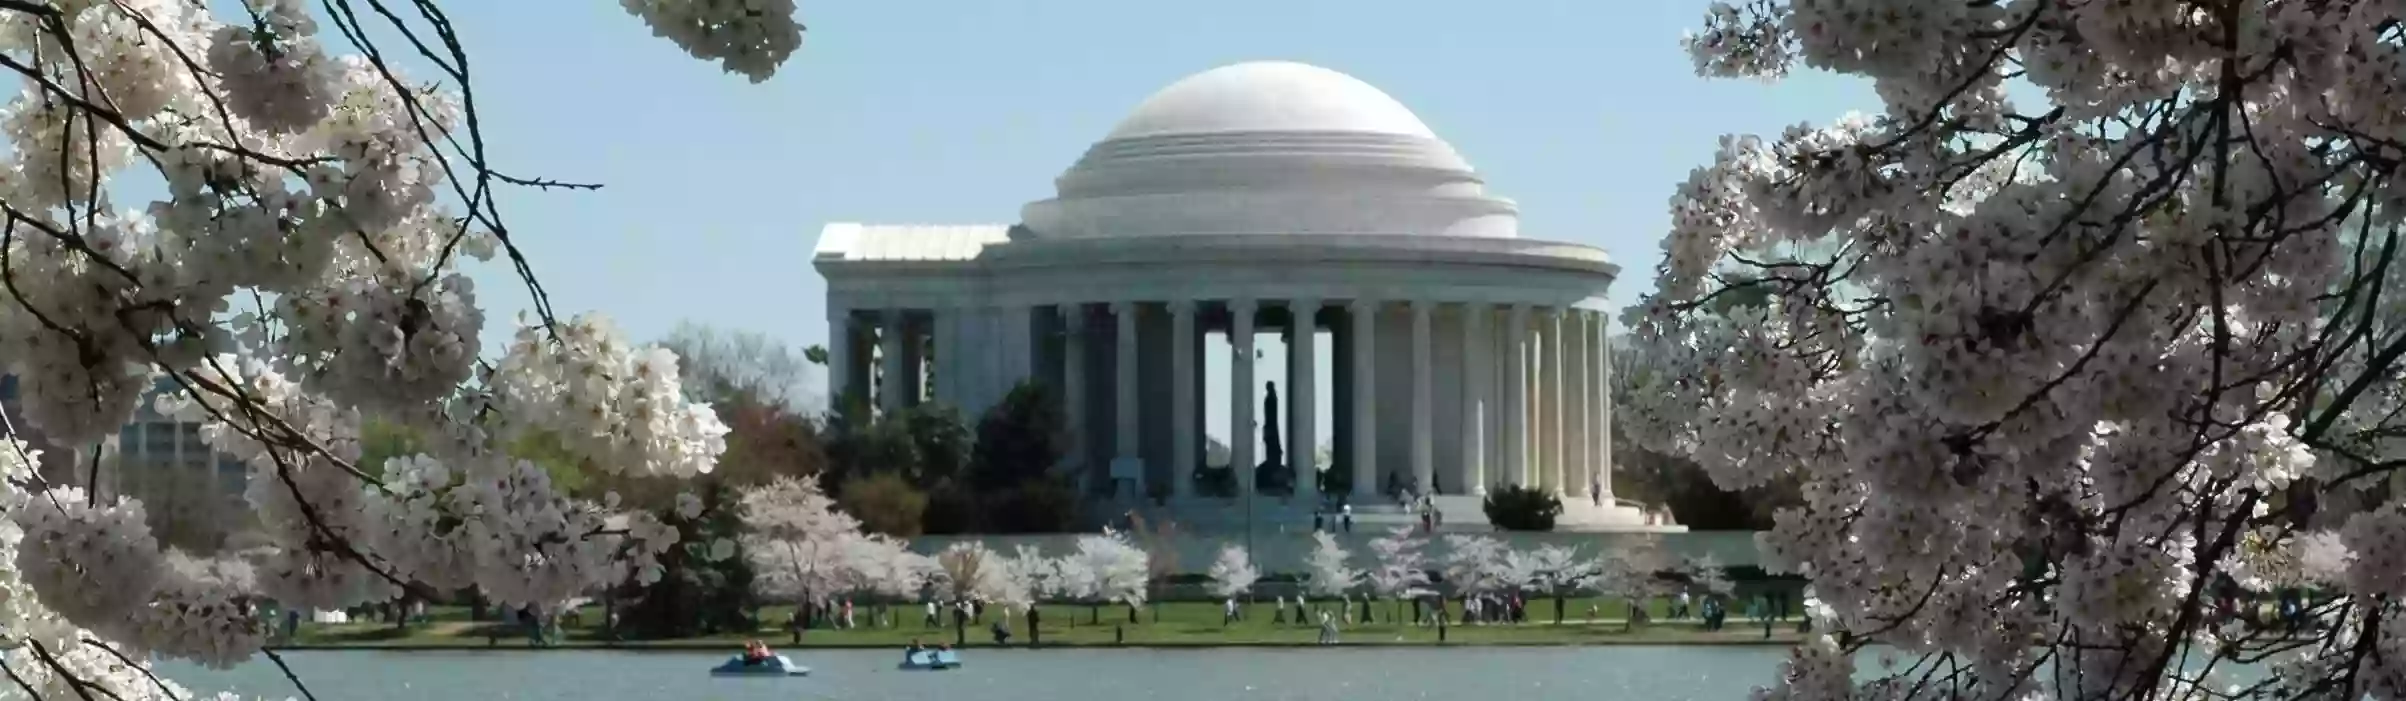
1782	640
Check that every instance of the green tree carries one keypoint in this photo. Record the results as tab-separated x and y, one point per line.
382	440
1020	439
941	445
696	594
885	503
860	444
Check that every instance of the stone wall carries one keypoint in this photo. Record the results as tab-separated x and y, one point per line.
1285	552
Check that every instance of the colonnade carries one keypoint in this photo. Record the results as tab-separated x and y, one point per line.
1430	394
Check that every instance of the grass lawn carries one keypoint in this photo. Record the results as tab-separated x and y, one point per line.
1182	623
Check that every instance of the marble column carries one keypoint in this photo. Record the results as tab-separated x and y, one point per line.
891	361
941	338
1424	445
1018	346
914	362
841	336
1073	386
1303	398
1474	399
985	363
1576	390
1550	427
1365	399
1182	398
1127	462
1604	465
1241	393
1516	398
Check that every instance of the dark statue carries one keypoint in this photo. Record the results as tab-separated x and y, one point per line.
1272	475
1272	453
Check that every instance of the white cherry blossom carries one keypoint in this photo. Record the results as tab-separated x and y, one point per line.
299	266
2049	365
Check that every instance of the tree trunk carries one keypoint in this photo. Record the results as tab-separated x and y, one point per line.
1559	602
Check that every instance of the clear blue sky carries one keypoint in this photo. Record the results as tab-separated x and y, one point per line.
1586	112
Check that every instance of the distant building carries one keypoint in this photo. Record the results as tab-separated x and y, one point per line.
193	494
1258	198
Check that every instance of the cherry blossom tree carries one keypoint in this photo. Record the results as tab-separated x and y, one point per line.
802	548
1032	576
296	267
1403	567
1632	570
1072	581
1233	573
1159	538
2104	286
1557	571
1329	568
890	571
1113	569
969	571
1476	564
1705	573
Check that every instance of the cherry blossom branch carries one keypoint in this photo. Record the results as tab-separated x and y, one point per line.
278	658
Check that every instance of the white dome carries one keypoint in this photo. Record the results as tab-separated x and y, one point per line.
1269	96
1270	147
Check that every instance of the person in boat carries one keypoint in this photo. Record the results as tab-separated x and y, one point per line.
913	650
755	653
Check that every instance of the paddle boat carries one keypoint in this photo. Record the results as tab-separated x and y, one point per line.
757	661
773	666
930	660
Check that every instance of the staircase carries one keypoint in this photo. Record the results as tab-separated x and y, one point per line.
1463	513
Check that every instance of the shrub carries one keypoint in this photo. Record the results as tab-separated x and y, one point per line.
1035	506
885	503
951	509
1522	509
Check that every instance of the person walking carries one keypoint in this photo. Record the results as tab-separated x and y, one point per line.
1328	629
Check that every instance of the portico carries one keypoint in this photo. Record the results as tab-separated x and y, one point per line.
1259	198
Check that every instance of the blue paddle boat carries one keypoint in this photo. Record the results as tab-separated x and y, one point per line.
775	666
930	660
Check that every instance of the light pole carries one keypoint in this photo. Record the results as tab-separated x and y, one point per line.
1249	486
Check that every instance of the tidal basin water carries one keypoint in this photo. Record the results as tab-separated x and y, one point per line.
1615	673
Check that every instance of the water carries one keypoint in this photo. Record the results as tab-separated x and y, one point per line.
1630	673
